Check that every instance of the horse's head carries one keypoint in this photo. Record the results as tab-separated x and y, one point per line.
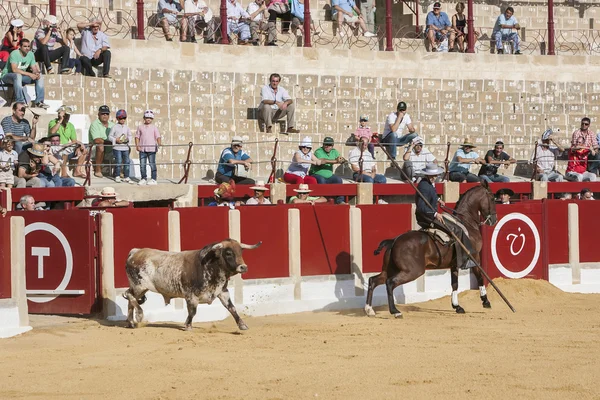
487	205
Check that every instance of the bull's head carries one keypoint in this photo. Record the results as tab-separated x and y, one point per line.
231	254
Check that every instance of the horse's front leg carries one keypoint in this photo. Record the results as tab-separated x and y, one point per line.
454	280
482	292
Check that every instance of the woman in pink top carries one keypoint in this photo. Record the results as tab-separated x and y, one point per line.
147	141
363	131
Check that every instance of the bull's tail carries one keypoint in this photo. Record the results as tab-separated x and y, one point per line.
383	245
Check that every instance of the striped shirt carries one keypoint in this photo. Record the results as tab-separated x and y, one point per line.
21	128
589	138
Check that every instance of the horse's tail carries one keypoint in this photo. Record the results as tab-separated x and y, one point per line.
384	244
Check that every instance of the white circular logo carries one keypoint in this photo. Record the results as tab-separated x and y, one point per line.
517	243
43	226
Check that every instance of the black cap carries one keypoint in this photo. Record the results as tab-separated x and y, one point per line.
402	106
437	4
328	140
53	135
104	110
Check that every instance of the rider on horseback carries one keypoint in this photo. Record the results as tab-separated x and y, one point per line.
428	217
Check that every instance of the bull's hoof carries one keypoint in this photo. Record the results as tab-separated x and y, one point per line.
131	325
398	315
243	327
459	309
142	300
369	311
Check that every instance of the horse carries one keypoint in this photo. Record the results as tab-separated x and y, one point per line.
408	256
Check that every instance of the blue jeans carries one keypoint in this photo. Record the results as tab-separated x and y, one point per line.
495	178
18	80
67	182
74	62
393	141
333	179
122	158
151	157
507	37
367	179
50	180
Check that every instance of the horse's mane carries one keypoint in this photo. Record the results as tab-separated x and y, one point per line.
465	195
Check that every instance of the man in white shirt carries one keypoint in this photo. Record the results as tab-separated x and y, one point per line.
95	48
369	166
544	160
258	21
275	103
238	22
416	159
393	133
199	17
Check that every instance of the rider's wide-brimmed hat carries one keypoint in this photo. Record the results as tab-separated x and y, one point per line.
504	191
432	169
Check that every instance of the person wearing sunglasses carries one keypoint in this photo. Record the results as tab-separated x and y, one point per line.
302	160
231	158
590	141
17	128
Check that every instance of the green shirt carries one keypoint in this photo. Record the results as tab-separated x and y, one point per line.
17	58
67	134
98	131
324	170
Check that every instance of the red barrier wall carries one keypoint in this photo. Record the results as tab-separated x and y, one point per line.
589	221
381	222
138	227
5	267
558	226
200	226
268	224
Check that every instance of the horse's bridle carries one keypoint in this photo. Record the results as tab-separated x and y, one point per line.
461	215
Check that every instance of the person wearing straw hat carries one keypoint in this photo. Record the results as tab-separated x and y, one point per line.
108	198
259	195
543	159
303	196
12	40
302	160
504	195
44	45
231	159
461	163
30	168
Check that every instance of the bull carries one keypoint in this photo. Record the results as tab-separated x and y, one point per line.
198	276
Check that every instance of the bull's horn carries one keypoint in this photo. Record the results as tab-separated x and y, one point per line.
250	247
217	246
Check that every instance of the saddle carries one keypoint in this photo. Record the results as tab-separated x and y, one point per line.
439	236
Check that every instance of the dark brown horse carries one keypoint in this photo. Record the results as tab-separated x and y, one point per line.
408	255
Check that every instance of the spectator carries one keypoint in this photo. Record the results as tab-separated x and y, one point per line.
94	48
257	10
30	168
74	53
329	157
298	18
224	196
459	24
275	103
346	11
281	9
147	142
367	7
16	73
8	158
200	16
393	132
56	167
120	136
259	195
586	194
238	22
589	140
44	45
364	131
27	203
493	159
302	197
439	28
3	211
544	159
99	130
565	196
416	158
578	162
503	31
169	12
302	160
368	168
62	132
12	39
234	164
504	195
108	198
17	128
461	163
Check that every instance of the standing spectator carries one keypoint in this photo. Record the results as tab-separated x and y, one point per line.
16	73
589	140
257	10
74	53
504	195
303	198
232	159
8	158
302	160
169	13
44	45
346	11
12	39
31	168
494	159
200	16
393	132
364	131
544	159
461	163
17	128
416	158
147	141
94	48
439	28
329	157
503	31
259	195
369	167
578	163
72	148
99	130
275	103
238	21
120	137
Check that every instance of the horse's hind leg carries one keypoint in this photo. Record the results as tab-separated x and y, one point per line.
392	283
374	281
482	292
454	280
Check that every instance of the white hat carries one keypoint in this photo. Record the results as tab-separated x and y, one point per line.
306	142
51	19
302	188
17	23
237	140
148	114
108	192
546	134
260	185
432	169
418	140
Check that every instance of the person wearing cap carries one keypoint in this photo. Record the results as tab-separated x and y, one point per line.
259	195
11	40
147	142
543	159
494	159
16	73
94	48
346	11
365	131
461	163
439	28
99	130
590	140
329	156
586	194
416	157
63	131
303	196
120	136
31	167
302	160
503	31
578	163
393	132
504	195
369	166
276	103
108	198
17	128
44	44
231	157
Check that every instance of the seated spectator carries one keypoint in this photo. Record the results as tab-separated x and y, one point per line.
416	158
302	160
12	39
224	196
74	53
503	31
8	160
94	48
99	130
393	132
281	9
345	11
275	103
494	159
329	157
439	28
17	128
169	12
297	10
55	165
461	163
302	197
120	136
108	198
257	10
31	168
44	45
586	194
565	196
459	25
147	142
578	163
367	172
238	22
234	164
27	203
200	17
504	195
63	138
544	159
364	131
16	73
259	195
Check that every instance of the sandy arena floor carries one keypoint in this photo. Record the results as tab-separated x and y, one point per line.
549	349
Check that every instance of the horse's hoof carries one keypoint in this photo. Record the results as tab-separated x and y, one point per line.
459	309
398	315
486	304
369	311
187	328
243	327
